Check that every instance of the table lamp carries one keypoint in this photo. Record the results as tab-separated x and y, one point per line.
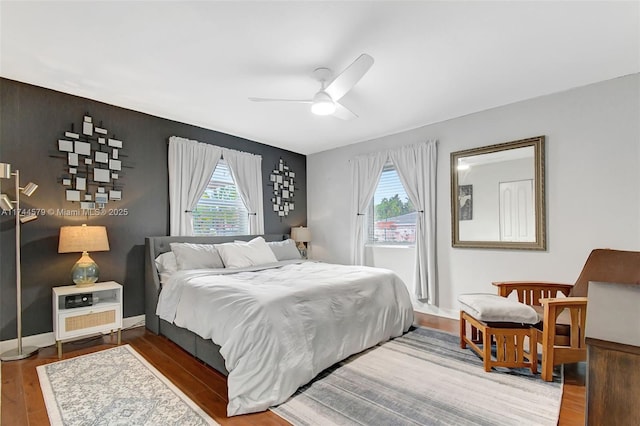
83	239
302	236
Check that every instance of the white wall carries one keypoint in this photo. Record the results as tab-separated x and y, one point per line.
592	192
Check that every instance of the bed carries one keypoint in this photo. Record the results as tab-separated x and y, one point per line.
275	325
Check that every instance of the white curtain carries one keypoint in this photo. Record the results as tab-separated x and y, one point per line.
246	170
365	174
191	165
416	166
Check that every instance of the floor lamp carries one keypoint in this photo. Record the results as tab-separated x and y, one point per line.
20	352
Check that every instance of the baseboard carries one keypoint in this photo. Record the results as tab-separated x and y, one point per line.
434	310
48	339
130	322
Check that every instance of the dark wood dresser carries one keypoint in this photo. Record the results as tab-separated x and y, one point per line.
613	354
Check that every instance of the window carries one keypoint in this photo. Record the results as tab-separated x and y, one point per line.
392	217
220	210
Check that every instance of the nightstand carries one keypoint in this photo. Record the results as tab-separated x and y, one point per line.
82	311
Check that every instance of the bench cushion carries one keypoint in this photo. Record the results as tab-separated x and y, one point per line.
494	308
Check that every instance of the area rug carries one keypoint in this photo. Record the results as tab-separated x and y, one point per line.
114	387
423	378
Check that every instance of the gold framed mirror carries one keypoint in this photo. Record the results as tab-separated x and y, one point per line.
497	196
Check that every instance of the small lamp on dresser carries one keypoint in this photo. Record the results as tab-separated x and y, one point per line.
302	236
83	239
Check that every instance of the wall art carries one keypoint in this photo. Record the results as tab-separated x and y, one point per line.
465	202
93	170
282	178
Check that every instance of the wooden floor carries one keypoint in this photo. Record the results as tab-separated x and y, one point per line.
22	402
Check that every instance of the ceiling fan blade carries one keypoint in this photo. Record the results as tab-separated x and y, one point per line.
343	112
349	77
300	101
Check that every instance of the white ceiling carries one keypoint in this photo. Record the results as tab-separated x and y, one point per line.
198	62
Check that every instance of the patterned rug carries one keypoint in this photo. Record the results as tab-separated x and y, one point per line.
114	387
423	378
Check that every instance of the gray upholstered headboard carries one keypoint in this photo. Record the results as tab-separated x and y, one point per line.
154	246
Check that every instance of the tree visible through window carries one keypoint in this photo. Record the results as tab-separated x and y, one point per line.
392	217
220	210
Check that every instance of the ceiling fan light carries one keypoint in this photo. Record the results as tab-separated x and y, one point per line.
323	108
322	104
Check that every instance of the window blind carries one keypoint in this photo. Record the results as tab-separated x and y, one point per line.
392	217
220	210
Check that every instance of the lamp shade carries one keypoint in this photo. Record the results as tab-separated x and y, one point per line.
24	218
301	234
78	239
5	170
29	189
5	202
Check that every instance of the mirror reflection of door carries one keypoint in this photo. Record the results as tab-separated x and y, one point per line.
517	211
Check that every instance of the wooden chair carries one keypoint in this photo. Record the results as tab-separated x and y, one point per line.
561	332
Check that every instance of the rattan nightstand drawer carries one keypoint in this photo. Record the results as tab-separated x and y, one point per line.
92	319
83	321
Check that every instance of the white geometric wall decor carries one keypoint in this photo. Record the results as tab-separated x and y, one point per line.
282	179
93	169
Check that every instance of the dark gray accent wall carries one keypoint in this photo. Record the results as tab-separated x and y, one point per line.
32	119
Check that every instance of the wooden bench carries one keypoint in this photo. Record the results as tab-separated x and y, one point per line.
509	339
500	323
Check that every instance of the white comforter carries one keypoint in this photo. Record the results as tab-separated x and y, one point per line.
281	326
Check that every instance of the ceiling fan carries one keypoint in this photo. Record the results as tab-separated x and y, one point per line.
325	101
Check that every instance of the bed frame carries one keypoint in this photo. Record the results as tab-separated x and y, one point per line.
203	349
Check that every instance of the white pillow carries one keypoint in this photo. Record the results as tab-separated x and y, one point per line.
284	250
166	262
241	254
166	266
196	256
